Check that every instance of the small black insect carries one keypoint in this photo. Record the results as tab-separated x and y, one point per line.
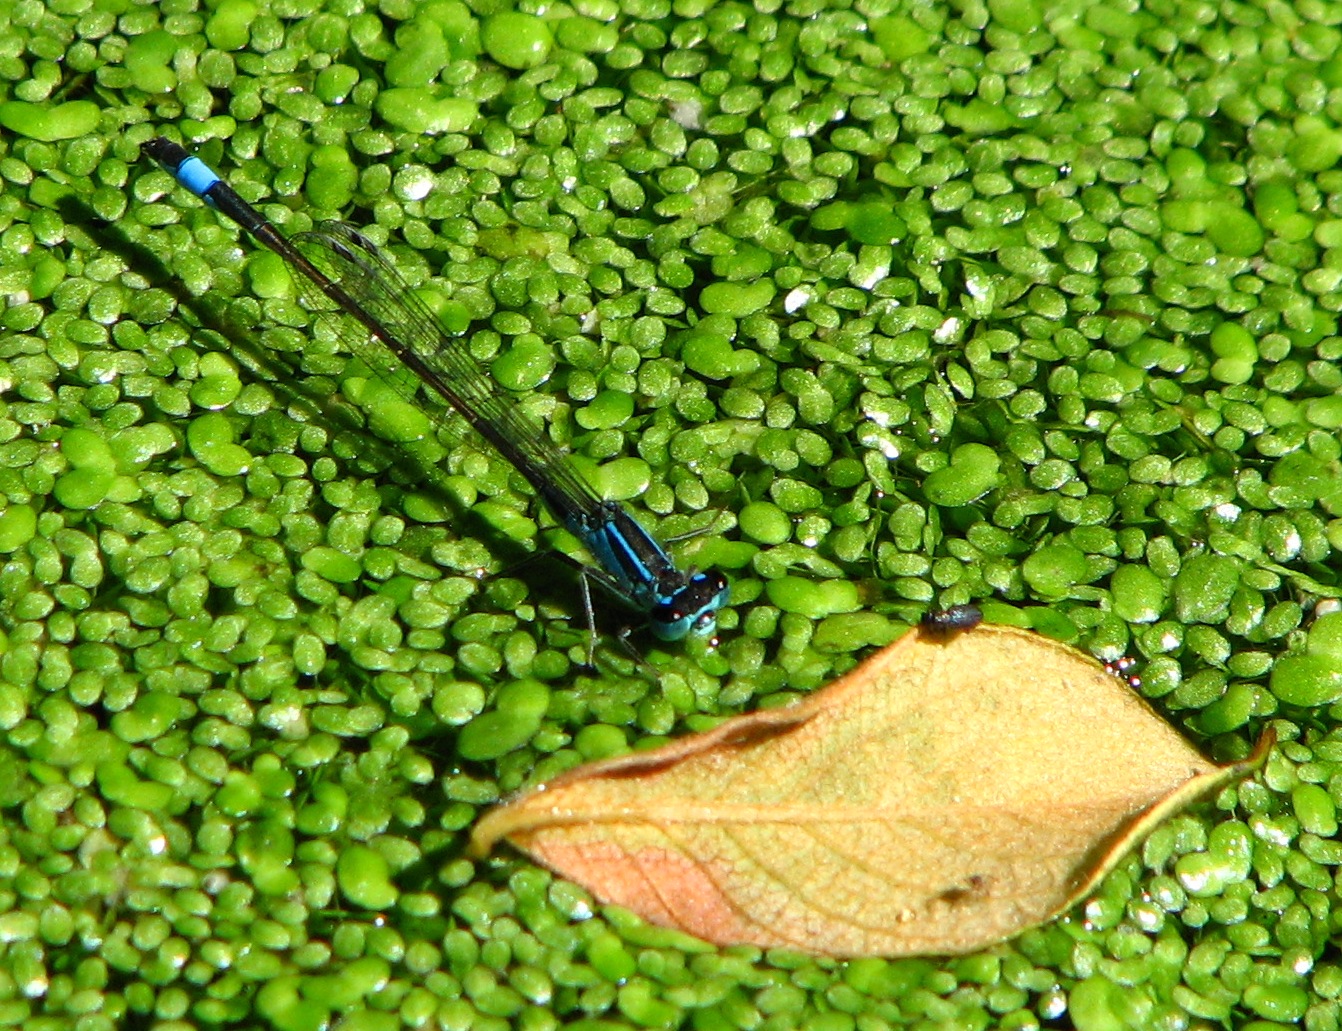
953	619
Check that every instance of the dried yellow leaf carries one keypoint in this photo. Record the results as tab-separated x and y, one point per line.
950	792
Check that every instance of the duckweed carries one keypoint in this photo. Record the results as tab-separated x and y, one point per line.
50	123
516	40
18	524
364	878
972	472
871	325
515	719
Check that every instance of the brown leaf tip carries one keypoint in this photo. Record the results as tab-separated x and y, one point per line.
1266	742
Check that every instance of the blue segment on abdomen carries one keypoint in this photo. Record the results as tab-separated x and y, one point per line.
196	176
